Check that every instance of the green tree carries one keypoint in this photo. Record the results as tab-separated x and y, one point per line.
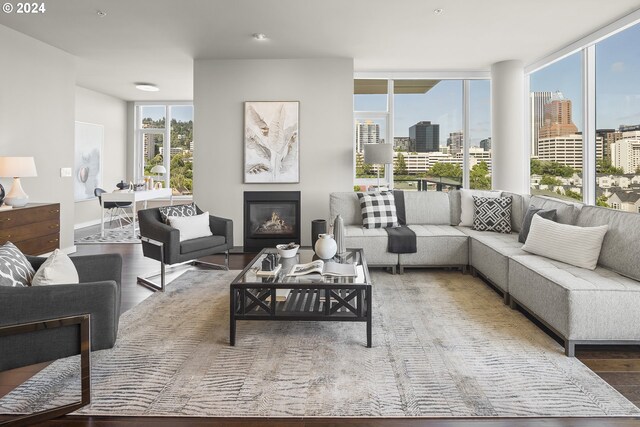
479	177
447	170
550	180
604	166
400	167
543	167
602	201
573	194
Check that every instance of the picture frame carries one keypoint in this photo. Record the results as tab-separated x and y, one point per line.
271	142
87	164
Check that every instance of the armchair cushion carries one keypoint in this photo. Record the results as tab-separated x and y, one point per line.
177	210
15	269
191	227
58	269
201	243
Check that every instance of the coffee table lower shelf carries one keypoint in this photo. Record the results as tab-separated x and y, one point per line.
324	302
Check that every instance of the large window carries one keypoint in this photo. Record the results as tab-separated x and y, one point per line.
425	121
556	129
164	136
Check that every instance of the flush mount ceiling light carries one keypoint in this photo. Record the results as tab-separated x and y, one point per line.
259	36
147	87
101	13
438	11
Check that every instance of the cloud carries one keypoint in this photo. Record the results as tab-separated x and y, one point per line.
618	67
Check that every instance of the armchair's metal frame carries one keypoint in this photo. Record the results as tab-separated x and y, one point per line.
84	322
148	283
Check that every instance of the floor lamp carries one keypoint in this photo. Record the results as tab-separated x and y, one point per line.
378	154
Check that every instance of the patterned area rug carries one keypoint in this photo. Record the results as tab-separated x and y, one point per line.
444	345
111	235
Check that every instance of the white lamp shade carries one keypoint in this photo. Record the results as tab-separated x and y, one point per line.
17	167
159	169
378	154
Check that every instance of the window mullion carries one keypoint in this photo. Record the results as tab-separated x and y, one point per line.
466	112
589	131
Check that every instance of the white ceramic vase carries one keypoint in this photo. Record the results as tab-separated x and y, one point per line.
326	247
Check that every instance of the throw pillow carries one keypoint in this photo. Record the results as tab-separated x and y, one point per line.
492	214
579	246
58	269
378	210
528	216
177	210
191	227
15	269
466	204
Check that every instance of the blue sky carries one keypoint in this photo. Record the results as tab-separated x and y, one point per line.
182	113
617	92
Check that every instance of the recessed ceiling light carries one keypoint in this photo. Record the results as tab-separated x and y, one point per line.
147	87
438	11
259	36
101	13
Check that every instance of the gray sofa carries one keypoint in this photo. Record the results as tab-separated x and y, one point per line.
581	306
98	294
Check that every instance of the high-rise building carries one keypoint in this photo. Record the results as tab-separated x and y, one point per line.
537	100
366	133
609	136
425	137
557	118
625	153
455	142
565	149
485	144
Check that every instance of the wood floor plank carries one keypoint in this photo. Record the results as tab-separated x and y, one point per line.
612	365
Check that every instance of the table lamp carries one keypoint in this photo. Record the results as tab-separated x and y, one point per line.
159	170
17	167
378	154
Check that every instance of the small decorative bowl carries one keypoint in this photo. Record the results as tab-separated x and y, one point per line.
287	253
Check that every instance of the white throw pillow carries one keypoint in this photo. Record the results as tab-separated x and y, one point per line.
58	269
466	204
579	246
191	227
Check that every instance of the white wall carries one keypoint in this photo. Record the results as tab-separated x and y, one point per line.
95	107
324	88
37	84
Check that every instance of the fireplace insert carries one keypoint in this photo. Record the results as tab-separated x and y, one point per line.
270	218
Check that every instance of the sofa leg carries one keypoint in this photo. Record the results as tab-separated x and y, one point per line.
474	272
569	348
507	299
393	270
512	303
401	269
149	284
212	265
464	269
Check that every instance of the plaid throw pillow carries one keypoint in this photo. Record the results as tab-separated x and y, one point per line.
378	210
492	214
177	210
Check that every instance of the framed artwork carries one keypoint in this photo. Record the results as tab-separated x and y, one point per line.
87	164
271	146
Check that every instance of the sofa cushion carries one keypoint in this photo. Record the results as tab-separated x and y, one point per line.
427	207
619	248
177	210
201	243
454	207
466	204
347	205
15	270
58	269
579	246
567	211
519	205
378	210
438	245
492	214
550	214
374	243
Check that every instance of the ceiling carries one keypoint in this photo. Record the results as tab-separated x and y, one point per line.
156	40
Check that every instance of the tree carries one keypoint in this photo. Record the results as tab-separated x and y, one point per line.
447	170
400	165
602	201
479	177
363	170
573	194
544	167
550	180
638	170
604	166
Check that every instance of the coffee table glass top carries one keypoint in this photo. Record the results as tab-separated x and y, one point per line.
352	256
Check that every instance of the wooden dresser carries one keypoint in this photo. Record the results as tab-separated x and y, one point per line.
34	229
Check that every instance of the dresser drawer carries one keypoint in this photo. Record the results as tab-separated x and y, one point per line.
17	217
40	245
29	231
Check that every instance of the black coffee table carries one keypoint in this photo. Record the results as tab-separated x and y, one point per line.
312	297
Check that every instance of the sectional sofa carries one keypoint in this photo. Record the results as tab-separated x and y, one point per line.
581	306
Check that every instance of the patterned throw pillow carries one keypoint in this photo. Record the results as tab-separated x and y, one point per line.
177	210
15	270
378	210
492	214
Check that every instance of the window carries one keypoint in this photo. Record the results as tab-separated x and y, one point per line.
154	138
428	131
618	120
556	136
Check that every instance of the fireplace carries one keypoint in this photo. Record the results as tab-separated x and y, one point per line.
270	218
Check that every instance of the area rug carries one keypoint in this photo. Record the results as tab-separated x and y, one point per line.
111	235
444	345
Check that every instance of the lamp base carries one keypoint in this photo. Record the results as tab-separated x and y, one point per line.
16	197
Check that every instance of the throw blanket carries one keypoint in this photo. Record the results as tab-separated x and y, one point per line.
402	240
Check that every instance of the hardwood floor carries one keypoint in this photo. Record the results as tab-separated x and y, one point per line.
619	366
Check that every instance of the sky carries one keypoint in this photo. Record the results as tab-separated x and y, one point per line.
617	92
182	113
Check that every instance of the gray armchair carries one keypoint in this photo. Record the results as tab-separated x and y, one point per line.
97	294
162	243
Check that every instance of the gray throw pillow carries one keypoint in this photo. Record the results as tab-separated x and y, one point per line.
528	216
177	210
15	269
